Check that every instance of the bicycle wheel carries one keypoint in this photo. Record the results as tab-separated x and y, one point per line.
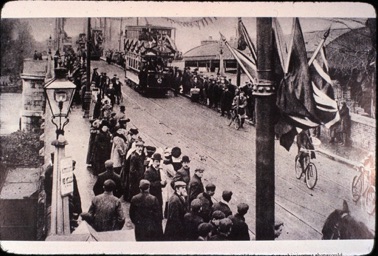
311	175
298	168
370	200
357	187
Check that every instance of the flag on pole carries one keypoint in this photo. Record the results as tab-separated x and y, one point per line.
295	95
301	99
245	62
245	40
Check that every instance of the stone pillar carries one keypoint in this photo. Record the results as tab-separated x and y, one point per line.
33	98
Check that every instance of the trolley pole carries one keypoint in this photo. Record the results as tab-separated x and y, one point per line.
88	93
265	100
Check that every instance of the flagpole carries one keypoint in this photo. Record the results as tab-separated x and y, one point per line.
265	101
319	47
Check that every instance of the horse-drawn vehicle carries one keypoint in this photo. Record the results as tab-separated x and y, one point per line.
149	50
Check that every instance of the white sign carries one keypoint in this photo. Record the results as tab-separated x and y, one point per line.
66	176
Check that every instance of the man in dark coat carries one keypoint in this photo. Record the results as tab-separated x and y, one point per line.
215	218
207	203
102	148
98	187
136	171
226	101
152	174
95	78
175	229
192	220
195	185
146	215
105	212
239	228
222	205
184	173
117	87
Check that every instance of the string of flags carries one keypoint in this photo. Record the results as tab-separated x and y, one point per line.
202	22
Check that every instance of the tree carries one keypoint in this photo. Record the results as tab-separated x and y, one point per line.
17	43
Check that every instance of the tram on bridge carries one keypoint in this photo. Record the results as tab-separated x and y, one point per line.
149	50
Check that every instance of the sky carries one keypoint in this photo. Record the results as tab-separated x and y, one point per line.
41	14
189	37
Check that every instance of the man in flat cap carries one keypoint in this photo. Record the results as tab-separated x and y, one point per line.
215	218
105	212
98	187
175	229
195	185
207	202
152	174
239	228
146	215
223	204
192	220
137	168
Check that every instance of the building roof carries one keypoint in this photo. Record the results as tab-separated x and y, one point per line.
207	51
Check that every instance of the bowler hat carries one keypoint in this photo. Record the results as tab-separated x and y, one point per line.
156	156
144	184
122	107
150	150
176	152
185	159
180	184
108	163
133	131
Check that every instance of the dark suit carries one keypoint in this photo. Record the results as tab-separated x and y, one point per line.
191	222
207	204
221	206
195	188
98	187
175	229
146	215
239	229
182	175
106	213
136	173
153	176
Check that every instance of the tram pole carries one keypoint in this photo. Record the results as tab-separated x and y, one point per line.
88	93
265	98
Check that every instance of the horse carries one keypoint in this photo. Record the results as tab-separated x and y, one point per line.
341	225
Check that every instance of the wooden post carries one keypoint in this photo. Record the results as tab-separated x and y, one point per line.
88	93
265	99
237	74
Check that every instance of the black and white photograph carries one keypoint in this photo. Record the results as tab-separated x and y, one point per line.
167	127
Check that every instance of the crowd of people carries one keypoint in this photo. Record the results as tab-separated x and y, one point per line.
215	91
157	182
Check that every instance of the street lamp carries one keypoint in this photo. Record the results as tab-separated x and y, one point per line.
59	92
49	44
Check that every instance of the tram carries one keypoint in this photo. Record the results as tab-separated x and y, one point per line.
149	51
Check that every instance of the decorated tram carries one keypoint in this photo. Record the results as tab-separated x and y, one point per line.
149	50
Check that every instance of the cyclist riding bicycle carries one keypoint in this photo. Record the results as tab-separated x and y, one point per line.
239	104
304	143
369	164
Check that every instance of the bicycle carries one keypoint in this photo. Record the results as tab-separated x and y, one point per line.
362	185
309	168
235	118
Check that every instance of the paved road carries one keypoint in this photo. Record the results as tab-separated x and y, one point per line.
228	157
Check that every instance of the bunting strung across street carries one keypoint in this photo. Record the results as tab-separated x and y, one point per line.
302	101
202	22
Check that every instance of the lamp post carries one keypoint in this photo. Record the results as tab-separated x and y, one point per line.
221	64
59	92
